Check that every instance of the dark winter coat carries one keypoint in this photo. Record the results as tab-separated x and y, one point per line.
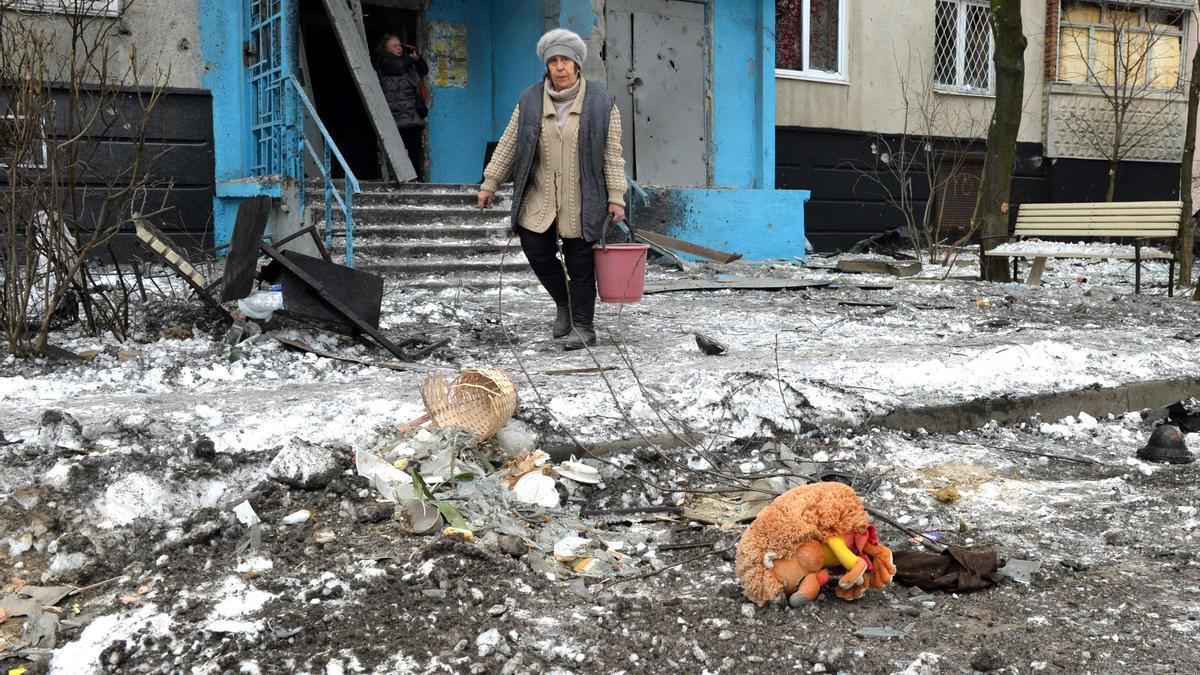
399	77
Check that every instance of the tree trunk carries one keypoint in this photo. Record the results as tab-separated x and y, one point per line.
1112	181
1187	225
1009	60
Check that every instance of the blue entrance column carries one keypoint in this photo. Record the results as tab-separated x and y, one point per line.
250	49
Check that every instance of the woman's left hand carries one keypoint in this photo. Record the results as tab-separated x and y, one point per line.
618	213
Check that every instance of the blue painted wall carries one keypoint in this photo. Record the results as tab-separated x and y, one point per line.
516	26
221	36
577	15
223	32
460	120
743	94
502	61
759	224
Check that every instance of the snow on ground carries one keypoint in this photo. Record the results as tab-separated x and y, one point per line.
126	465
1092	249
934	342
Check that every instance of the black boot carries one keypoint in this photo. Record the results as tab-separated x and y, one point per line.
562	323
583	311
580	337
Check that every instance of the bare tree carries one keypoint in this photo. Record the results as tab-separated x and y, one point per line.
1131	57
75	168
1008	60
933	147
1187	224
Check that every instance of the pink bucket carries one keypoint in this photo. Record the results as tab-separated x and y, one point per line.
621	272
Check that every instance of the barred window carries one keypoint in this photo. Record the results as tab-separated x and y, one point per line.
810	38
87	7
963	46
1103	45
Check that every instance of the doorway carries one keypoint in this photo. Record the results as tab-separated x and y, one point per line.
334	92
656	70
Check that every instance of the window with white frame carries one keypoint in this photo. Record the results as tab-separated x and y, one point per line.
963	47
1121	45
810	38
86	7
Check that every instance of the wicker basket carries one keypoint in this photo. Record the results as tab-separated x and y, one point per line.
480	400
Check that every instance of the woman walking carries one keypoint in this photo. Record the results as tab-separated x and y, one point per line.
400	70
562	148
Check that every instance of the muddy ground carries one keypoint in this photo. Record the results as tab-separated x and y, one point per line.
138	514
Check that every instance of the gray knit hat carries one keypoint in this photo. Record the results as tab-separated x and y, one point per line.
562	42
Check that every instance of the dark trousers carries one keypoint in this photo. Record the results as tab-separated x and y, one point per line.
414	142
540	249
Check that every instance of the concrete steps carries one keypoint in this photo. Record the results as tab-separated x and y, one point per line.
428	235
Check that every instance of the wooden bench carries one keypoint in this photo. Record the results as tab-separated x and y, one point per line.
1139	222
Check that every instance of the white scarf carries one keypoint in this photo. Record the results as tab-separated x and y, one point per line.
562	100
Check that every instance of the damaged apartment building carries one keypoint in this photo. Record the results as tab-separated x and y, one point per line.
872	95
750	126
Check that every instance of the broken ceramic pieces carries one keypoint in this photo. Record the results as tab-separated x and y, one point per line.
418	517
578	472
536	488
391	483
297	517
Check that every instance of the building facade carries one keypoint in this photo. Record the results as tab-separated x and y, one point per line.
694	81
857	78
735	111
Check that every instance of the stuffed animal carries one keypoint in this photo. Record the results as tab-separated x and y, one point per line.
803	533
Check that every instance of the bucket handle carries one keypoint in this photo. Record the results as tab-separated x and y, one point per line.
608	223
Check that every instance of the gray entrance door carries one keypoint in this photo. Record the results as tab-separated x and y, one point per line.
656	69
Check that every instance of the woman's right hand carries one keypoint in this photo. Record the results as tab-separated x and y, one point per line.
485	199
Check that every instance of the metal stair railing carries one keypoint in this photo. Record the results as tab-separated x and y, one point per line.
346	202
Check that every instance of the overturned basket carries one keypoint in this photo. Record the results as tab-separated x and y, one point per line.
480	400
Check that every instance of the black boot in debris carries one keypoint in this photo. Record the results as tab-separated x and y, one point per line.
580	336
583	311
562	322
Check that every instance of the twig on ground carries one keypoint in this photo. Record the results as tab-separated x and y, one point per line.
98	584
664	568
686	545
772	636
1034	453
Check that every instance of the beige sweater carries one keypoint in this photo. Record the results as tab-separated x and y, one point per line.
554	192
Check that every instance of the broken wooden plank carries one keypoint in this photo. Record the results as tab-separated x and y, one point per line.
839	284
687	247
733	283
879	267
865	303
358	57
666	253
172	254
241	264
300	346
581	371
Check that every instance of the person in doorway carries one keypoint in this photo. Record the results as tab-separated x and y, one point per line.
562	148
400	69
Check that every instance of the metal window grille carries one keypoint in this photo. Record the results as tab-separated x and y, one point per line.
272	103
963	46
809	36
89	7
1123	46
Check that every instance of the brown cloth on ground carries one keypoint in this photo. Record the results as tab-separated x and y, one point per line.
957	569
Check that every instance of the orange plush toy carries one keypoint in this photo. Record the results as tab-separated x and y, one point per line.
806	531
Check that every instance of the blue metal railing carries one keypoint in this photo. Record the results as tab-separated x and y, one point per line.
346	201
